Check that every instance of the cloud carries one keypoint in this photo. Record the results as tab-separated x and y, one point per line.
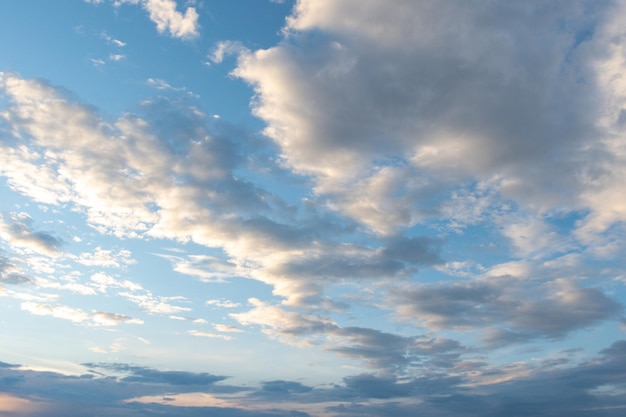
198	333
226	48
104	282
575	388
149	375
116	57
227	329
207	268
112	319
106	258
362	97
10	273
97	318
17	230
162	84
386	352
167	175
112	40
167	19
222	303
154	304
521	310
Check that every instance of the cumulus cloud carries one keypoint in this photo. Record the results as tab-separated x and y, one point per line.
155	304
11	273
106	258
167	176
363	97
385	352
17	230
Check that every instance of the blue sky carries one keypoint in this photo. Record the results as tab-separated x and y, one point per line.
312	208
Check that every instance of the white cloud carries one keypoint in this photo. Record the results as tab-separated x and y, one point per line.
222	303
155	304
208	334
76	315
167	19
207	268
116	57
106	258
225	48
104	282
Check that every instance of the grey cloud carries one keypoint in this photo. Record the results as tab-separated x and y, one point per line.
281	389
391	353
399	256
17	229
515	310
149	375
8	365
10	273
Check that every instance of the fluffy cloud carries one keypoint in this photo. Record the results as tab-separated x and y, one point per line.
106	258
10	273
167	176
18	231
167	19
547	390
391	109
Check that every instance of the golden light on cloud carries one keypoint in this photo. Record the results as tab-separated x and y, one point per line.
189	399
18	406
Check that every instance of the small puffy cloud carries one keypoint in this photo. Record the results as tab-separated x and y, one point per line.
225	48
155	304
207	268
16	229
104	282
167	19
106	258
11	273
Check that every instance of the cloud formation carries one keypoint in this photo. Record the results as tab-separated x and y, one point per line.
430	223
166	17
580	388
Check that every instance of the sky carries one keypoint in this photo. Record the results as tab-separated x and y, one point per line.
312	208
